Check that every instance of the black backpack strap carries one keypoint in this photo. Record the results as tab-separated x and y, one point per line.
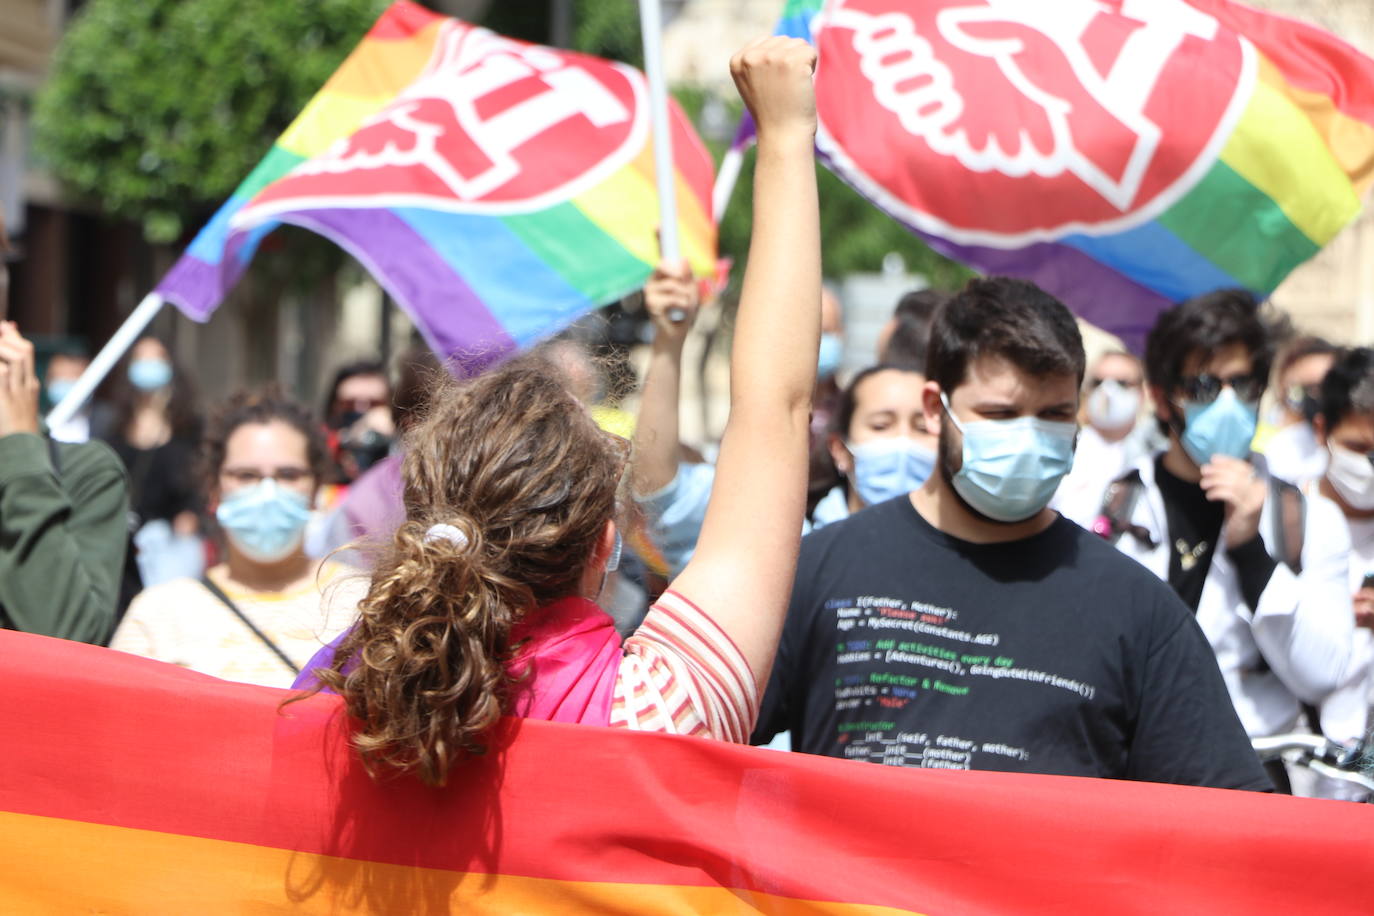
1118	505
218	592
1290	522
54	456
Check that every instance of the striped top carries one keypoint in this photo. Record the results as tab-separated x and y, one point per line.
683	675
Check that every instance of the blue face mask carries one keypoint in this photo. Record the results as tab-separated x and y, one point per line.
1012	467
829	356
59	389
890	467
1223	427
150	374
265	522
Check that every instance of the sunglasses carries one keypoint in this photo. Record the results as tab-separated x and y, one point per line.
1206	388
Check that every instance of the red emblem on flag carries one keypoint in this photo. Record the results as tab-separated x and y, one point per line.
491	125
1003	122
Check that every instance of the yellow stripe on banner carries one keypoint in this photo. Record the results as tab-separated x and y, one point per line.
618	206
369	79
691	215
385	65
54	865
330	116
1350	140
1277	149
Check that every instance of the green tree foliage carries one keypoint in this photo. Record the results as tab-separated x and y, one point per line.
157	109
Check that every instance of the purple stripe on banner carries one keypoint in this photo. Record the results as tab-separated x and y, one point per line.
449	314
1091	289
196	287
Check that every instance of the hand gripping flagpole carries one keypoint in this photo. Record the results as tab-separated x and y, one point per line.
105	360
651	29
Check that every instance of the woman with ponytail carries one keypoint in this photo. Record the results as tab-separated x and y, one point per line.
485	604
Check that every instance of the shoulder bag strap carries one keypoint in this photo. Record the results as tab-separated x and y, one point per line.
218	592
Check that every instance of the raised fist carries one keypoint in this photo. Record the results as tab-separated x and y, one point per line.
773	76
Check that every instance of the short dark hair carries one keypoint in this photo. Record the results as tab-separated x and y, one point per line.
1005	317
351	370
910	340
261	407
1205	324
849	397
1348	387
1301	348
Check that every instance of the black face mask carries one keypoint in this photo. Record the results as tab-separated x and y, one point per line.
367	449
345	419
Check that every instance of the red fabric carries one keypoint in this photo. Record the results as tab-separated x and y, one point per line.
1310	58
94	735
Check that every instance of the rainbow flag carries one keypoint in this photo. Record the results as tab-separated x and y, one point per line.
498	190
128	785
1123	155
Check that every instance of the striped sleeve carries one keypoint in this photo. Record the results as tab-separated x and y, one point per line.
683	675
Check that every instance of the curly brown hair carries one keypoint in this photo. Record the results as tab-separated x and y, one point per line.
513	461
260	406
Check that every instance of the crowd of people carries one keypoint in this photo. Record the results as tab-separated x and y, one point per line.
984	551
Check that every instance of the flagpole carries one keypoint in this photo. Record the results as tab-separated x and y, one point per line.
726	178
105	360
651	29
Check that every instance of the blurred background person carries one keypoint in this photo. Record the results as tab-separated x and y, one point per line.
1344	426
257	617
1110	440
904	338
63	516
156	433
1263	569
59	378
1291	448
371	509
876	449
879	442
357	417
584	374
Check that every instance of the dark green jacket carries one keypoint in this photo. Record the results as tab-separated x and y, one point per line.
62	541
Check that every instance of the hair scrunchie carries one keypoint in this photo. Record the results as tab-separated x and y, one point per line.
442	532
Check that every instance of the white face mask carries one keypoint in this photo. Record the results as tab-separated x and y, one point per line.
1352	476
1113	406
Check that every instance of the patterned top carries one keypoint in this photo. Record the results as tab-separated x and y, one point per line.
183	623
683	675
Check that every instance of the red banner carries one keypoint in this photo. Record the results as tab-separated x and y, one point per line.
129	785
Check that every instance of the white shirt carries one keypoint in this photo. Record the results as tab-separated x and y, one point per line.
1345	714
1302	629
1096	463
1294	455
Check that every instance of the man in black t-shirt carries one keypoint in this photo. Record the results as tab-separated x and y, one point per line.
968	626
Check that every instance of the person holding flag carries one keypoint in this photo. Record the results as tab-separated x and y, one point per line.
486	604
